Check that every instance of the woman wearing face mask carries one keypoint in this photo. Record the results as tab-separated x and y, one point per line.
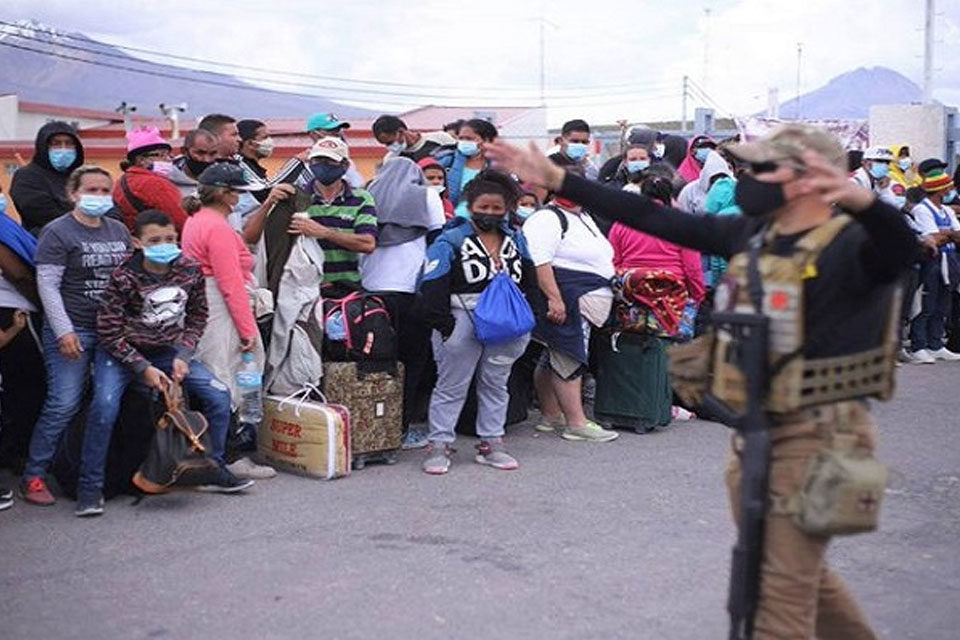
76	254
468	160
227	267
145	183
436	178
696	157
657	280
459	266
527	205
902	170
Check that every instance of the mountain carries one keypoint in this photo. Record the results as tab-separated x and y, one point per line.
850	95
42	64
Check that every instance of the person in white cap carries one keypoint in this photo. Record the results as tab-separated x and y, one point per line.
874	174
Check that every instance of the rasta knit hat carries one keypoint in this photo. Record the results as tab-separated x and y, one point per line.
936	181
145	140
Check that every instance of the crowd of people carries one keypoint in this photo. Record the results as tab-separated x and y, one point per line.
169	272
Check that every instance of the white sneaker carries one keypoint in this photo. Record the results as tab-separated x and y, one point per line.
922	356
944	354
248	469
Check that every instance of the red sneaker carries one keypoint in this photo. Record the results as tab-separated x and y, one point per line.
35	492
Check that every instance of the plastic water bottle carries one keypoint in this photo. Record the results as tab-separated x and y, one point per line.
250	382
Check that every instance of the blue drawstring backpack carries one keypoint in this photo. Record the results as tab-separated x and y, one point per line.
503	313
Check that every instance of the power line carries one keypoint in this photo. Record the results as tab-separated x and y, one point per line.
391	97
211	63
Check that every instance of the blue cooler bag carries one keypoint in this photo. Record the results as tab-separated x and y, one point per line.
503	313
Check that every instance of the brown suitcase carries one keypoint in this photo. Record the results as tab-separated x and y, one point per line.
375	402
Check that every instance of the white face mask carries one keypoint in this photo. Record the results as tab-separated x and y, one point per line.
161	167
397	147
439	188
265	147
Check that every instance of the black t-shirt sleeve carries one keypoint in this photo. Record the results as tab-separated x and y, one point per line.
890	246
722	236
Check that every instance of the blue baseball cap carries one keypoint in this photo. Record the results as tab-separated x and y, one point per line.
326	121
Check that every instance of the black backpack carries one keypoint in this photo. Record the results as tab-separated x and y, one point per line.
367	331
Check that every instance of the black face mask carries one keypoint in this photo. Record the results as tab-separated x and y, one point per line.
196	167
486	223
758	198
327	174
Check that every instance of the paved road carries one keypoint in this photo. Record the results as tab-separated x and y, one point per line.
622	540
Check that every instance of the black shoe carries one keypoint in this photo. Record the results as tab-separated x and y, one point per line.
6	498
88	506
226	483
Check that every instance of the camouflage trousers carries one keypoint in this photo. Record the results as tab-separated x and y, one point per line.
800	596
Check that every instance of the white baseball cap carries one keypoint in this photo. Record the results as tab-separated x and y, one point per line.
333	148
878	153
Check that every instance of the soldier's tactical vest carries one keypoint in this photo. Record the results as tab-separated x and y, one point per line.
796	381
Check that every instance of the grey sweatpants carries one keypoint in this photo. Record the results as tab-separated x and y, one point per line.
457	359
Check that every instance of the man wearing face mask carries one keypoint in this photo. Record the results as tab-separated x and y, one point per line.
319	126
575	148
392	132
199	151
38	190
145	184
341	218
828	288
874	174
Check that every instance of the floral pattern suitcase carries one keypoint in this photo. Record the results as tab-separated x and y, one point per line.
375	402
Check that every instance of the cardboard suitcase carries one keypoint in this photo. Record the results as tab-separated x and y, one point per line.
304	436
375	402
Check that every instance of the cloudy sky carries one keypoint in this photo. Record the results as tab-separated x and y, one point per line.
605	59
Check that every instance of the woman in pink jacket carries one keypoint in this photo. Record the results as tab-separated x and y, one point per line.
227	265
657	281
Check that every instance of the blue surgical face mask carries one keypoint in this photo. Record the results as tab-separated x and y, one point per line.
3	203
905	163
93	205
879	170
950	197
525	212
468	147
576	150
161	253
636	166
701	154
397	147
62	159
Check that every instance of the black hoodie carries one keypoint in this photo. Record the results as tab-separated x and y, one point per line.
39	191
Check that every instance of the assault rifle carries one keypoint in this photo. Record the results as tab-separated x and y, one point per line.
749	334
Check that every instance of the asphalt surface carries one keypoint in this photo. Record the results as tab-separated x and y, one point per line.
628	539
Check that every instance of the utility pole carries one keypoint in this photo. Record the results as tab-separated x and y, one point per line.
799	64
928	36
683	115
543	99
172	113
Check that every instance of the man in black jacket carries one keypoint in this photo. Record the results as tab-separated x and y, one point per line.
39	189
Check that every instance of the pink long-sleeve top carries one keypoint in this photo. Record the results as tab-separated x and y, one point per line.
210	240
633	249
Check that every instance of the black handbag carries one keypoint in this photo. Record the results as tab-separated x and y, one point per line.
180	456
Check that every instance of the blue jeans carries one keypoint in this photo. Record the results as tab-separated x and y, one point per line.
110	380
928	328
66	382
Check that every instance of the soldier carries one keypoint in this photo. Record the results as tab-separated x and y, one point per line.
826	283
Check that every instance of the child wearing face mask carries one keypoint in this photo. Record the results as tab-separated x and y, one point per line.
459	266
152	314
436	178
76	254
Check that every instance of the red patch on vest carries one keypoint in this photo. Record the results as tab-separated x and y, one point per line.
779	300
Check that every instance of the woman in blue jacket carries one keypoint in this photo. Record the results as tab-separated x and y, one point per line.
459	266
468	161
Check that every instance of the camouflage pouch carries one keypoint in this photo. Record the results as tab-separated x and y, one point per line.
689	367
841	492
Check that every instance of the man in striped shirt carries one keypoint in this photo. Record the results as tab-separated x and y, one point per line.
342	218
